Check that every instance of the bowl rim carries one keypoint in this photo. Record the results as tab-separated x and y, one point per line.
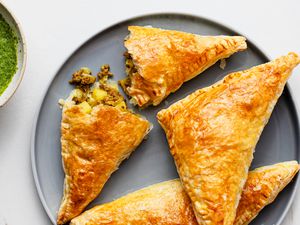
24	53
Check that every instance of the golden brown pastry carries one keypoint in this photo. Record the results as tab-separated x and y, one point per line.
97	134
167	203
161	204
212	134
159	61
262	187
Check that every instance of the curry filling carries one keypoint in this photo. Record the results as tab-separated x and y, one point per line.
91	91
141	91
130	70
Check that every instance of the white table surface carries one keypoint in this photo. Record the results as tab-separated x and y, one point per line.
54	28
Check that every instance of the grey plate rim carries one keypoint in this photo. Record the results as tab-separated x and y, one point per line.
294	105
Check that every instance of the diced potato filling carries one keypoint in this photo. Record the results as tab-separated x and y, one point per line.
99	94
89	92
86	107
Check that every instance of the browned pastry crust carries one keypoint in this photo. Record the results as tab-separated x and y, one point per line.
212	134
262	187
164	59
167	203
93	146
164	203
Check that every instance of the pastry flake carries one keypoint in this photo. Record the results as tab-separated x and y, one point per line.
159	61
212	134
97	134
167	203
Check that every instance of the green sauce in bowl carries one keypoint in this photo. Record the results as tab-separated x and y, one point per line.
8	54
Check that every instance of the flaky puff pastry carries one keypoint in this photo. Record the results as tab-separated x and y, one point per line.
161	204
93	146
262	187
167	203
212	134
165	59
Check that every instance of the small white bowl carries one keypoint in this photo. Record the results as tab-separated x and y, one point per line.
21	52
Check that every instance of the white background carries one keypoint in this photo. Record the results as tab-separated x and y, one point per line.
55	28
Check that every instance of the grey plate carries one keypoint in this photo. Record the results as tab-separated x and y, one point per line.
151	162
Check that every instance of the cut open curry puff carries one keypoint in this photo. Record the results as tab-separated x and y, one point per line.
212	134
159	61
97	134
167	203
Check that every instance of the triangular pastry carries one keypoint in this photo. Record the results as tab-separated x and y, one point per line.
160	204
97	134
167	203
262	187
212	134
159	61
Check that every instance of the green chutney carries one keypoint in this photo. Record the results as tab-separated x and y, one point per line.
8	54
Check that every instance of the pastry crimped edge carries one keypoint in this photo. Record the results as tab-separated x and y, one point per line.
283	66
85	170
174	206
176	58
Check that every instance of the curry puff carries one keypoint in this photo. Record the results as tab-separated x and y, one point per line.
167	203
97	133
212	134
262	187
159	61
